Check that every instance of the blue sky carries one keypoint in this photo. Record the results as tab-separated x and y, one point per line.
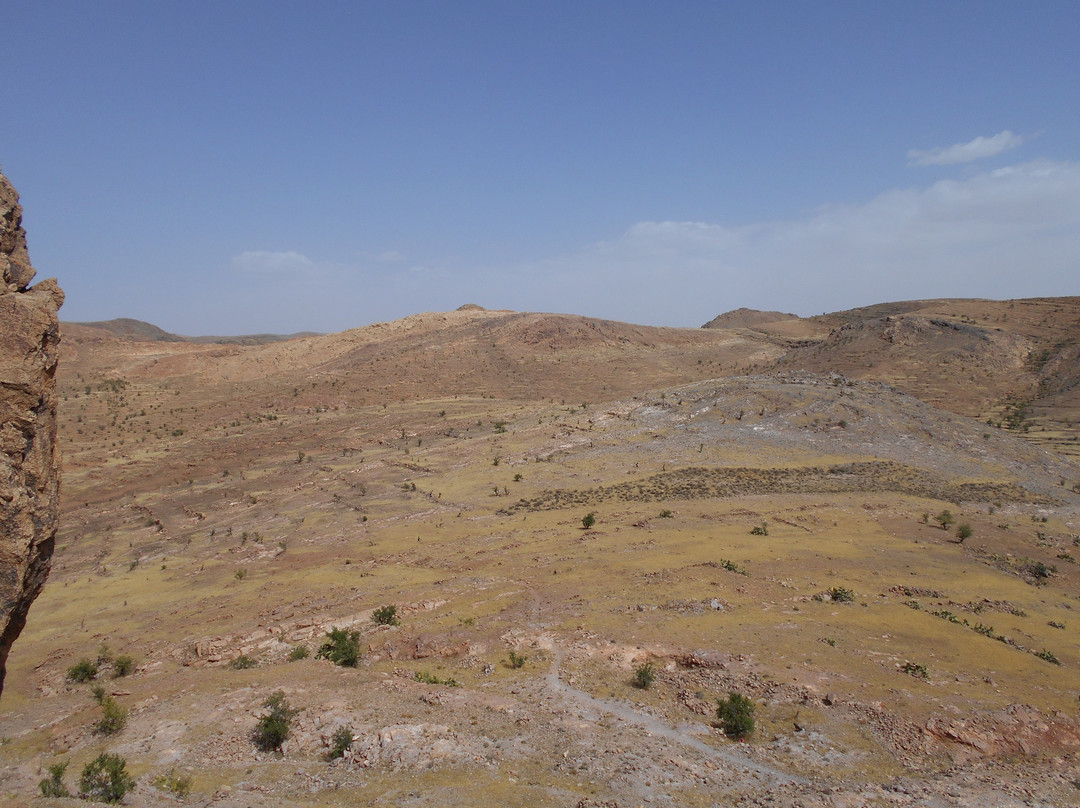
237	167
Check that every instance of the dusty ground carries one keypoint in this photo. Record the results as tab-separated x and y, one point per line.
228	500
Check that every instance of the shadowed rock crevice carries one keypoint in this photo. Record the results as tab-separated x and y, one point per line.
29	468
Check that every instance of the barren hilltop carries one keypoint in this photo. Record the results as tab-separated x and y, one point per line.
546	547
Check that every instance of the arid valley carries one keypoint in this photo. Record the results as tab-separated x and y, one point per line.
554	504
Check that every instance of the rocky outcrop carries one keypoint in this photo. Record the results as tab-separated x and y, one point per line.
29	465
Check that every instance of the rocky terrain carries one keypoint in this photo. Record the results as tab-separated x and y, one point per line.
29	469
553	504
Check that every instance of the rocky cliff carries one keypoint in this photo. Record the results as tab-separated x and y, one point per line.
29	466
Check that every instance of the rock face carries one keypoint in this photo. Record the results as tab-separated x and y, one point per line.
29	465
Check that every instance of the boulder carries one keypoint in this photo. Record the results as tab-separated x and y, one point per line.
29	463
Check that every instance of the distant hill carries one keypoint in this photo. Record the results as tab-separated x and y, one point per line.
1013	362
747	318
140	331
127	328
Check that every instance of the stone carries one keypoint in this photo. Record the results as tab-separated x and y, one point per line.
29	462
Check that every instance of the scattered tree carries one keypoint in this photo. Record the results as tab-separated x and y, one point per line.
341	647
272	730
644	676
385	616
737	715
945	518
517	660
122	666
588	520
114	715
105	779
964	532
82	671
53	785
340	742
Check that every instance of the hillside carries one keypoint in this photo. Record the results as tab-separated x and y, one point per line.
760	526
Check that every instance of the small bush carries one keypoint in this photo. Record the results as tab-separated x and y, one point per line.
172	783
430	679
114	716
122	666
666	514
588	520
1048	656
517	660
340	742
1036	569
82	671
385	616
760	530
105	779
964	532
298	652
644	676
53	785
243	663
731	566
737	715
272	730
341	647
945	518
841	595
915	669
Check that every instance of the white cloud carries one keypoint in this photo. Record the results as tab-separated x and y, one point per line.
1013	232
266	261
975	149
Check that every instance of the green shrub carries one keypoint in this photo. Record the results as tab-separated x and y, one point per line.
105	779
114	716
298	652
945	518
760	530
737	715
242	663
1048	656
964	532
122	666
53	785
1036	569
588	520
82	671
430	679
272	730
644	676
172	783
340	742
841	595
385	616
341	647
666	514
517	660
916	669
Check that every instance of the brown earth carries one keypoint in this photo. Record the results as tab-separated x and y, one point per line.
226	500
